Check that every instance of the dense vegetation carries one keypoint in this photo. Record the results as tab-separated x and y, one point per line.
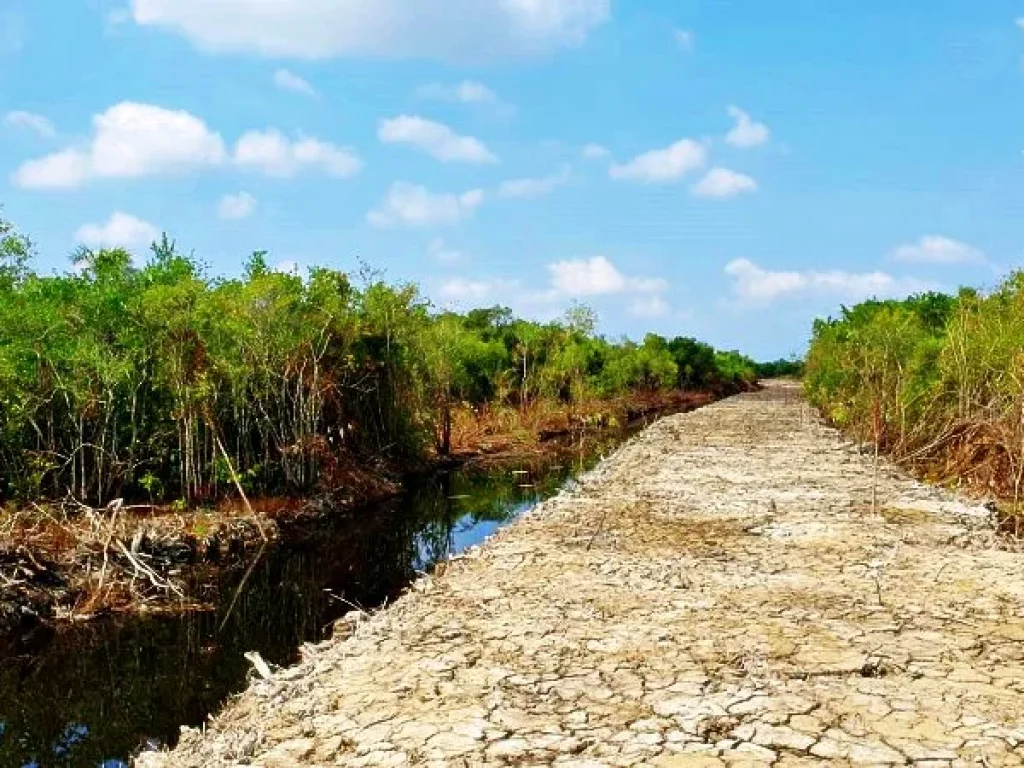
937	380
780	369
159	381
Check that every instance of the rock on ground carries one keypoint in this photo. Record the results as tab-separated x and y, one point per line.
721	591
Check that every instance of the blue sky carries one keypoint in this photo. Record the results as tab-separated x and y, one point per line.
725	169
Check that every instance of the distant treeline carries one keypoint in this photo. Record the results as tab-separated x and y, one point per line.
162	382
780	369
936	379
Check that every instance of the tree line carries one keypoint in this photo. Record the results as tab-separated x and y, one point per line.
937	379
160	381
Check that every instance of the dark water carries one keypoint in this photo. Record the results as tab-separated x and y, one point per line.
92	695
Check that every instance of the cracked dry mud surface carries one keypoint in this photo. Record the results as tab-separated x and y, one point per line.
718	592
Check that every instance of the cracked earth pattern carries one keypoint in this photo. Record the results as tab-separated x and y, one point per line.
721	591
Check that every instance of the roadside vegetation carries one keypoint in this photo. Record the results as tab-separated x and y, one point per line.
784	368
160	383
935	380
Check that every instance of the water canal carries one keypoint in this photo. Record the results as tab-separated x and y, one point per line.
94	694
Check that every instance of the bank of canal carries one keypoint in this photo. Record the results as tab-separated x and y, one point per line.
736	586
89	695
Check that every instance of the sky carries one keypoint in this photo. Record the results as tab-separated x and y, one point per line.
728	169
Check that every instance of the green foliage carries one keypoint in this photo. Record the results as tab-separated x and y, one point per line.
695	363
152	485
646	367
15	252
156	380
782	368
879	363
734	369
918	375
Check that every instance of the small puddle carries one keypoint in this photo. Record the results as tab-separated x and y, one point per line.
94	694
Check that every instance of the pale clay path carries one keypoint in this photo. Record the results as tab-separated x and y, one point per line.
718	592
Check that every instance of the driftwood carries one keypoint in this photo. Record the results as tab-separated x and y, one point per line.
103	559
261	667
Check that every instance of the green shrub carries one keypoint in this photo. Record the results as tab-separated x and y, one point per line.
936	379
162	382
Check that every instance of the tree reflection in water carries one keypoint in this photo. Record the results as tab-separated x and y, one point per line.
92	695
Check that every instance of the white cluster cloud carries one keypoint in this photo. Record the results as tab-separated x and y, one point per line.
591	278
287	80
240	206
937	249
755	285
598	277
132	140
746	133
465	290
663	165
451	30
595	152
411	205
723	183
660	166
32	122
274	154
534	187
437	140
121	230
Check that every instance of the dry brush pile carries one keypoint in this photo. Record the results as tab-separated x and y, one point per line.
71	561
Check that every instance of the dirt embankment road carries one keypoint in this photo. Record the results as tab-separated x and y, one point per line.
719	592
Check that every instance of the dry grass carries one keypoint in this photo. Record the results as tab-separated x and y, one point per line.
904	516
1011	520
504	429
113	559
